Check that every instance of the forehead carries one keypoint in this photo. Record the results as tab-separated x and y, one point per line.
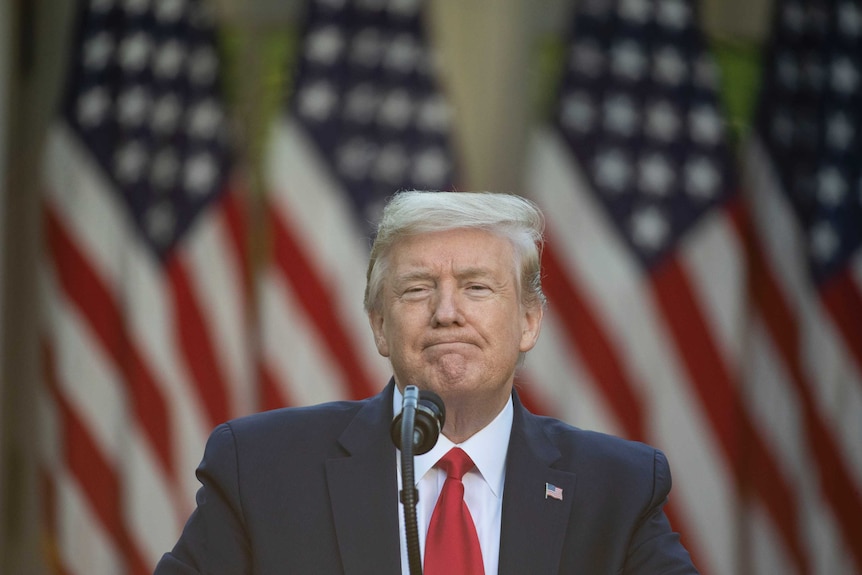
477	248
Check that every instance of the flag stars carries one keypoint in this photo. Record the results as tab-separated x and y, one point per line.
673	14
702	178
165	169
839	132
169	59
135	51
396	111
166	114
787	71
170	11
635	11
366	48
621	116
317	101
793	17
362	103
136	7
133	106
200	173
204	119
354	157
669	67
203	66
823	242
587	58
434	114
578	112
612	171
655	175
93	106
649	229
391	164
662	121
324	45
402	54
430	167
844	76
706	73
706	125
160	222
130	162
831	187
628	60
850	19
98	51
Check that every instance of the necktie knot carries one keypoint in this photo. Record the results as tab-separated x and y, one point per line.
456	463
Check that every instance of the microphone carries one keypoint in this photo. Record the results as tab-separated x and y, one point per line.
415	431
428	421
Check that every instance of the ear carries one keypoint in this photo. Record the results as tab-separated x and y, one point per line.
375	318
531	325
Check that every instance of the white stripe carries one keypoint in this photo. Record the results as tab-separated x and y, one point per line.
614	285
87	379
154	522
714	261
153	334
90	210
292	348
312	204
763	552
780	418
563	383
836	384
84	546
217	278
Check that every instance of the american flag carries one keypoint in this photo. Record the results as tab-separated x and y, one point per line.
553	491
144	282
365	119
803	177
646	268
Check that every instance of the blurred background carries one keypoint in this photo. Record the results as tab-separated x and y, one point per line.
189	187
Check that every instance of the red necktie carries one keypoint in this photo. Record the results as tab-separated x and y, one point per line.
452	545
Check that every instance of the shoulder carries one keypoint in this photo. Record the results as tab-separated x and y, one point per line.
600	455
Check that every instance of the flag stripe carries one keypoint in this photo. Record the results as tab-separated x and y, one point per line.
196	345
96	476
96	303
841	297
586	334
836	484
317	301
723	407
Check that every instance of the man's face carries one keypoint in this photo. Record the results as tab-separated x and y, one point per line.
451	319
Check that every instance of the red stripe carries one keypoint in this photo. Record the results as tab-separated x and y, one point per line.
320	306
232	210
840	295
600	357
745	452
195	341
94	474
835	478
271	395
602	361
101	312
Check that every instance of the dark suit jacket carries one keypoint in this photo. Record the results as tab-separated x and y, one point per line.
314	490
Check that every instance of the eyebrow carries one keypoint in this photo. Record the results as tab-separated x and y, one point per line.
465	273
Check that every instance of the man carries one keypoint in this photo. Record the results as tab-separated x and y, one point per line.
454	300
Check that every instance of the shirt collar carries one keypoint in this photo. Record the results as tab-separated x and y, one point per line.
487	447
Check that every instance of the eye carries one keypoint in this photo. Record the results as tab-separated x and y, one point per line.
478	288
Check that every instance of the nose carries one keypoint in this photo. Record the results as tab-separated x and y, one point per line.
447	307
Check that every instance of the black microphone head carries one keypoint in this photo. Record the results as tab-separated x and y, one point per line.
427	424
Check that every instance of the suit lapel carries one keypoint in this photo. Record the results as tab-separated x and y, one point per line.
533	525
363	488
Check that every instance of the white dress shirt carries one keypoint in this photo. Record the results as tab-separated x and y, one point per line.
483	486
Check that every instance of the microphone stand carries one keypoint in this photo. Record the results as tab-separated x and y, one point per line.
409	494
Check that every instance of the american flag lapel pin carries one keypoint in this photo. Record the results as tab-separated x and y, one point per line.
553	491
